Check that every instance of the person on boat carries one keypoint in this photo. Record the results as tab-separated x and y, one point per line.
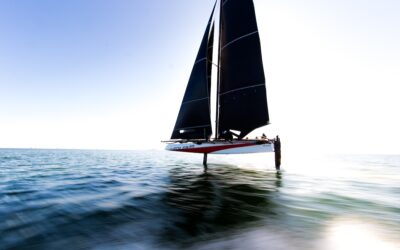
264	137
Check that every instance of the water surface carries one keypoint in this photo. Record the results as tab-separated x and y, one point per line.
82	199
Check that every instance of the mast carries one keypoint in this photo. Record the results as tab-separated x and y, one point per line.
218	72
208	72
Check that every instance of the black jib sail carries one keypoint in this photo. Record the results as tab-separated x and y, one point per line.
242	92
194	121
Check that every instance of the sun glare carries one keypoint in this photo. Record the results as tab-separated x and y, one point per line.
350	234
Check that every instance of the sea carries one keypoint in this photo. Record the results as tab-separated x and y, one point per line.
99	199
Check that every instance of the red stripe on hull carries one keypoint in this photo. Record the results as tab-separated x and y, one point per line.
214	148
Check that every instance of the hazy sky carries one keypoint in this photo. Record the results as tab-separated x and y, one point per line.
111	74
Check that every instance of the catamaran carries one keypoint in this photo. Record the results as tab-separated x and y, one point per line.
241	98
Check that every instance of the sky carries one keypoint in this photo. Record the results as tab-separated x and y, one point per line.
111	74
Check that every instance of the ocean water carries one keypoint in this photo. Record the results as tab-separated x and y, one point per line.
82	199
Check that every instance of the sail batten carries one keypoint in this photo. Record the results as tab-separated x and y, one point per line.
238	89
200	60
199	126
201	99
237	39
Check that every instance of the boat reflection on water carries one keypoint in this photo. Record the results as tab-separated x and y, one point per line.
222	199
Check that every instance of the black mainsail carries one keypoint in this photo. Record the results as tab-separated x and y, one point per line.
194	121
242	92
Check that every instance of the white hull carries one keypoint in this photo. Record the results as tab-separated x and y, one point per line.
223	147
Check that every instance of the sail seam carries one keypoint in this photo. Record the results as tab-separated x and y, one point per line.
200	126
195	100
235	40
238	89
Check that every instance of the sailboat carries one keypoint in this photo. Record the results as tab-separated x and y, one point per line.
241	99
